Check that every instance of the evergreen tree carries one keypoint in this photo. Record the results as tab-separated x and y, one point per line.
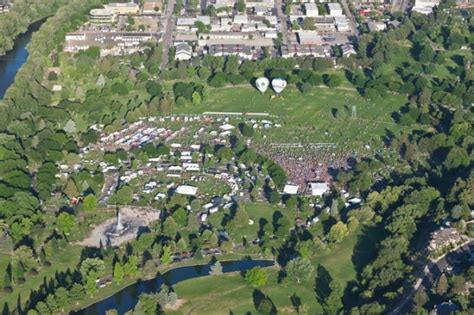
216	269
118	272
241	218
442	285
7	279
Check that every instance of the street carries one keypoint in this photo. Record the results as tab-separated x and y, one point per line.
168	26
350	18
283	19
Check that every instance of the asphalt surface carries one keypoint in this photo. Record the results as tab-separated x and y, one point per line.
168	23
351	18
283	21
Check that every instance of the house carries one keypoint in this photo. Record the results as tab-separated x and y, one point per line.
318	189
241	19
123	8
444	238
226	127
186	190
290	189
183	51
311	9
335	9
101	16
347	50
376	26
445	308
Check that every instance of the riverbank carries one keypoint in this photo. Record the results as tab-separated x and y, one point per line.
128	292
14	59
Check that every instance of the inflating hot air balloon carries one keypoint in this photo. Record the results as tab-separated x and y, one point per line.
262	84
278	85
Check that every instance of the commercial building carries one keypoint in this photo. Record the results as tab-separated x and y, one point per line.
425	6
123	8
101	16
318	189
309	38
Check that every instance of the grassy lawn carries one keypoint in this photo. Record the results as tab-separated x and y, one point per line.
323	115
222	294
66	259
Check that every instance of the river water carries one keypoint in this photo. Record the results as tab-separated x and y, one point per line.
12	61
126	299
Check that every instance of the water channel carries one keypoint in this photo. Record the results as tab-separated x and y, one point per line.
12	61
126	299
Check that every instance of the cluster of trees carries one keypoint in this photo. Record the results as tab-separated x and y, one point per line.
21	15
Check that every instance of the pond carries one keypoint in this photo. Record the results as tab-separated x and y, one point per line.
12	61
126	299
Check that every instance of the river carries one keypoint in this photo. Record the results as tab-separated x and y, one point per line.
12	61
126	299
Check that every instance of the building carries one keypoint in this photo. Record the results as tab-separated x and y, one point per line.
444	238
123	8
342	24
347	50
183	51
311	9
376	26
290	189
101	16
242	51
318	189
425	6
186	190
152	7
309	38
324	23
335	9
4	8
296	50
220	3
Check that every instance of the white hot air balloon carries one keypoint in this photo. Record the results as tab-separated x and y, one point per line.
262	84
278	85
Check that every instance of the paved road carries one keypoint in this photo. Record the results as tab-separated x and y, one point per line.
283	20
431	273
351	18
168	27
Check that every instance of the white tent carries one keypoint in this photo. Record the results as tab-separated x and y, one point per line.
186	190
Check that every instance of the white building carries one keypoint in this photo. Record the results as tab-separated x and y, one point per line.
183	51
425	6
335	9
101	16
318	189
342	24
123	8
311	9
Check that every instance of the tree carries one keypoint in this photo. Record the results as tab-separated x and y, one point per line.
180	216
274	197
338	232
219	79
333	303
420	298
442	285
256	277
77	292
170	228
118	272
90	203
147	304
65	222
166	257
299	268
266	307
216	269
196	98
62	297
309	24
240	5
246	130
241	218
130	268
93	267
7	279
332	80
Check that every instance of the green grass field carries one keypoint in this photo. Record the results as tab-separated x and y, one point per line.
226	293
324	115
